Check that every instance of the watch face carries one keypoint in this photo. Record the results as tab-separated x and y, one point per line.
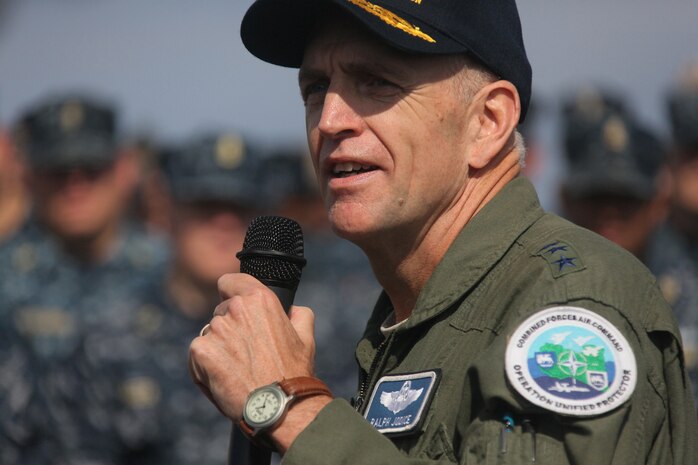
264	406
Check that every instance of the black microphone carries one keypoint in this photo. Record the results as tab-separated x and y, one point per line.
272	252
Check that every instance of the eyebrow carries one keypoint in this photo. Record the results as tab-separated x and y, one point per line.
389	68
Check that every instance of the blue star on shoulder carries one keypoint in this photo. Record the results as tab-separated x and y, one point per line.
565	261
562	258
544	248
553	247
559	248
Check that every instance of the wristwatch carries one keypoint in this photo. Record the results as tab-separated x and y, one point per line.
266	406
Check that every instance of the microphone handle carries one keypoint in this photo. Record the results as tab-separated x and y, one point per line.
240	450
285	295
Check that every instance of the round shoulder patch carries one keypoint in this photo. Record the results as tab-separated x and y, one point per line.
571	361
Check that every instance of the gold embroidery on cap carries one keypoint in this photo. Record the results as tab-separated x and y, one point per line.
230	151
392	19
615	135
72	116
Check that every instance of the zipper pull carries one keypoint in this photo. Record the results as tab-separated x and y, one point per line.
507	427
528	428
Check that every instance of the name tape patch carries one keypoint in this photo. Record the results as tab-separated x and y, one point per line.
399	402
571	361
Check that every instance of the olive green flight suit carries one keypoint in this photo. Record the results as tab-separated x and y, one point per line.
492	278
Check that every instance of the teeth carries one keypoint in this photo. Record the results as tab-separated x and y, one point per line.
348	167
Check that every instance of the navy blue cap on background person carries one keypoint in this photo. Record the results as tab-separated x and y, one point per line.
219	166
69	131
277	31
583	112
614	181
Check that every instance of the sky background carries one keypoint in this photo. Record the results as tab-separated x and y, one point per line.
175	67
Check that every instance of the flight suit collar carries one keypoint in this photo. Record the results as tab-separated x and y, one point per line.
478	247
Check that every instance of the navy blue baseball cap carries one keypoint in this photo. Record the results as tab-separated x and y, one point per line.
616	156
215	166
489	31
69	131
583	113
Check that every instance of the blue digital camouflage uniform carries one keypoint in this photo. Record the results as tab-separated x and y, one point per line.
160	416
49	303
674	262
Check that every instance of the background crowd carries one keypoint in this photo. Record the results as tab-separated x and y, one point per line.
111	247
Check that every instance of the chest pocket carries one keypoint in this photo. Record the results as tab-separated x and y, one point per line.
492	442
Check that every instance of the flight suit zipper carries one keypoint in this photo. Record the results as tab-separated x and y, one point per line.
366	379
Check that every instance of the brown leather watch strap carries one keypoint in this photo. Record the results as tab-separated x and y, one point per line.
297	388
304	386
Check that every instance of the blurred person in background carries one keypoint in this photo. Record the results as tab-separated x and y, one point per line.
675	257
211	182
14	198
75	253
614	184
337	277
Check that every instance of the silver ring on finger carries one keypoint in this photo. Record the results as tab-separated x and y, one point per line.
205	329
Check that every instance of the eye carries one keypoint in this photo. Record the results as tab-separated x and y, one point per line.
314	91
379	86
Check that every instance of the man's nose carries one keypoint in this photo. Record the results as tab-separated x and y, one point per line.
338	119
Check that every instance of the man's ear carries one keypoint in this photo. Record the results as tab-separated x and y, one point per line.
497	108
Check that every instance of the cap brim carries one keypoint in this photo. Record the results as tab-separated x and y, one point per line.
83	153
584	185
277	31
213	189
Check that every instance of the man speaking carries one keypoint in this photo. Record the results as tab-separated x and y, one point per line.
504	334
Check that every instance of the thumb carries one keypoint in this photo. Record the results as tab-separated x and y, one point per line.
303	321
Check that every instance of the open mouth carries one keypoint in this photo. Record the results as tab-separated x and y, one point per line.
344	170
